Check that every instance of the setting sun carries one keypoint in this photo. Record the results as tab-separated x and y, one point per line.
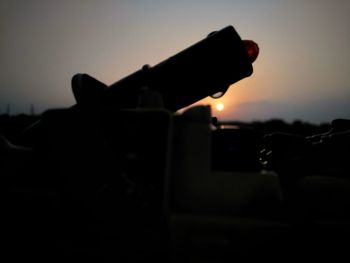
219	106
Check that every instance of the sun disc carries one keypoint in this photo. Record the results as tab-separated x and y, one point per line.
219	106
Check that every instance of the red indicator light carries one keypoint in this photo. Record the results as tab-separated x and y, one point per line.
252	49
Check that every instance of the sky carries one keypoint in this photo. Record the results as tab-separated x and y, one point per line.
302	72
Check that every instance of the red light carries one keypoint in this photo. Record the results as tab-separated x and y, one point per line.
252	49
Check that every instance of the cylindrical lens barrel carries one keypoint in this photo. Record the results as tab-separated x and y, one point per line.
205	68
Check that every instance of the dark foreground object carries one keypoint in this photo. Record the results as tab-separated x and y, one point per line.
166	200
120	177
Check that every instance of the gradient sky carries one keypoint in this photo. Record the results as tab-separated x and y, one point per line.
302	71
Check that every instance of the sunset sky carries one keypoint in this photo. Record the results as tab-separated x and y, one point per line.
302	72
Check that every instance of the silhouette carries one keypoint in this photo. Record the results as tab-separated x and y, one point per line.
90	182
121	177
